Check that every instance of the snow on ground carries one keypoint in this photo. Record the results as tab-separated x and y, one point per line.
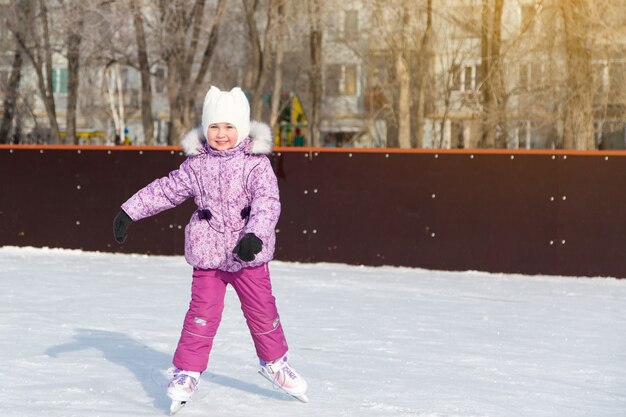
90	334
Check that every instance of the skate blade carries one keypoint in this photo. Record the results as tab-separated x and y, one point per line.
177	406
302	397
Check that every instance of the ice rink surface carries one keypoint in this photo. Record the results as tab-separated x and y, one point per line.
91	334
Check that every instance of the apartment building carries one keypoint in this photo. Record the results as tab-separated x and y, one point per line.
360	44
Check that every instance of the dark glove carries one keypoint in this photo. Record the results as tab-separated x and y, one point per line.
120	226
248	246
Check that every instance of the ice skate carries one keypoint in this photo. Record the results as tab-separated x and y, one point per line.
285	377
181	387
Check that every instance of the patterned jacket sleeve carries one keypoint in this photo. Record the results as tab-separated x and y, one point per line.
161	194
265	207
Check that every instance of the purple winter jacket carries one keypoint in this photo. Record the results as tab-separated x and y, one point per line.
227	184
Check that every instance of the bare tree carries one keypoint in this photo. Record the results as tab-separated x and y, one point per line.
404	80
494	124
10	97
390	65
144	69
114	93
181	28
408	82
576	54
279	54
315	31
578	130
31	29
73	20
423	82
262	53
254	70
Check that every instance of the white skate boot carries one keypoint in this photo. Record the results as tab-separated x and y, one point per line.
285	377
181	387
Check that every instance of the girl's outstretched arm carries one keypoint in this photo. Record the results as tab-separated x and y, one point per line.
161	194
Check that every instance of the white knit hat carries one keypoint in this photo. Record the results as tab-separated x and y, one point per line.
227	107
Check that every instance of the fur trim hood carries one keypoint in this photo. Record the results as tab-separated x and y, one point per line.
194	142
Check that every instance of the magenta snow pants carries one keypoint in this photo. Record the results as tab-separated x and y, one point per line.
254	289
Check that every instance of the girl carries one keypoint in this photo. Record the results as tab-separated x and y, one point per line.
229	239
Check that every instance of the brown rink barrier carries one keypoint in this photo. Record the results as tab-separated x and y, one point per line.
531	212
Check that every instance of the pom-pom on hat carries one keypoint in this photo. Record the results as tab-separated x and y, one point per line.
227	107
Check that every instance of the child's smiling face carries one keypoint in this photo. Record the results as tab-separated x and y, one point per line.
222	136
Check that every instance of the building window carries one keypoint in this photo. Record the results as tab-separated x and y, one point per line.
464	77
529	13
523	135
617	82
536	75
59	80
531	76
349	77
351	25
341	80
333	77
469	82
159	80
524	76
